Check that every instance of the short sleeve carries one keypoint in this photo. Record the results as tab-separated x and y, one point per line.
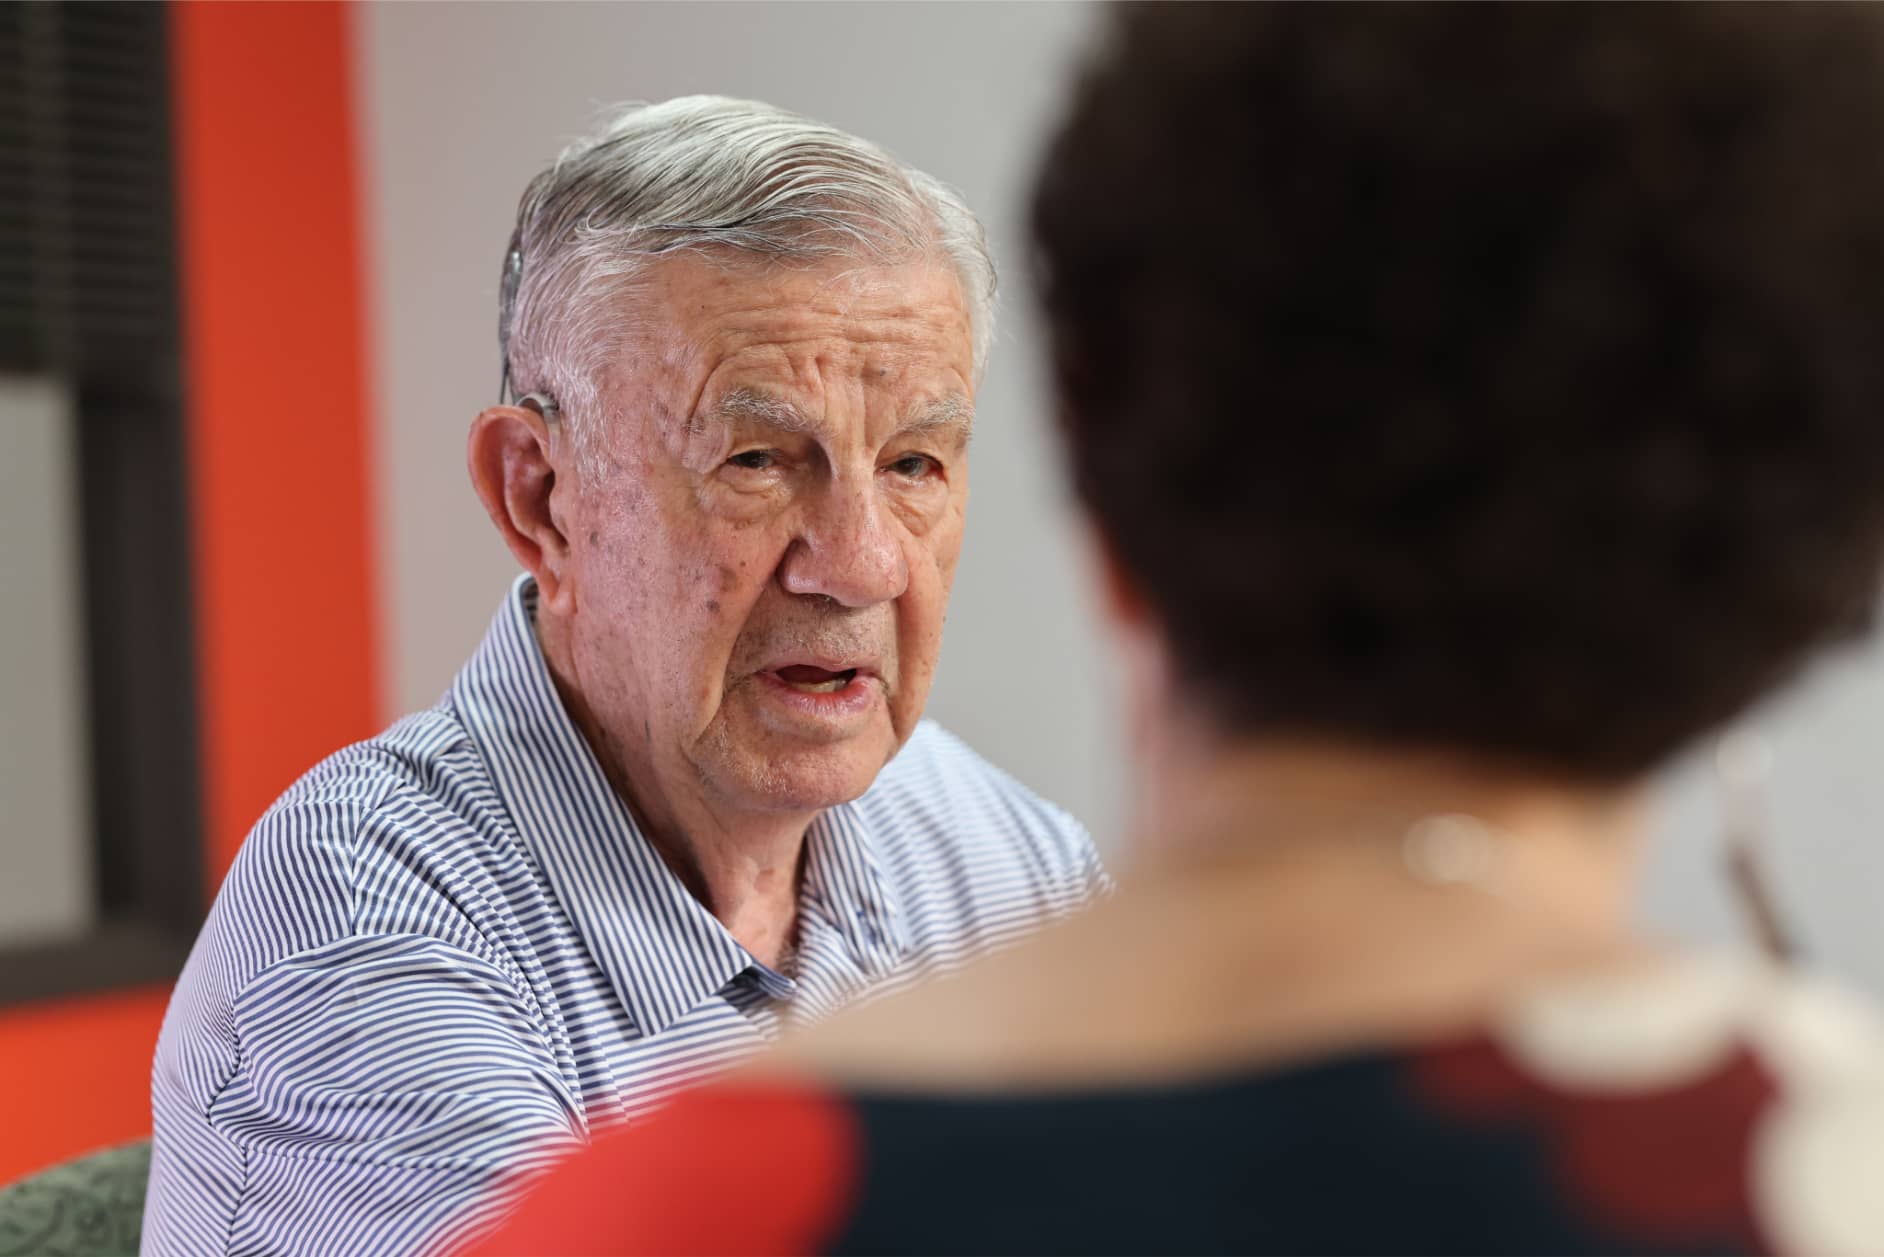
390	1095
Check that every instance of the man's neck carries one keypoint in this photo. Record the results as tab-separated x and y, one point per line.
747	875
745	867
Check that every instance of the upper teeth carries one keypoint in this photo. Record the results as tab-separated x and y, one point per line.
831	686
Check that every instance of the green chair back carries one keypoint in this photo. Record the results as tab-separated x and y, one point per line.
92	1206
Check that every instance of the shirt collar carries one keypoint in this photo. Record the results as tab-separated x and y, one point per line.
847	898
660	948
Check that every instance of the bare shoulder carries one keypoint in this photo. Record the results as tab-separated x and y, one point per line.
1083	999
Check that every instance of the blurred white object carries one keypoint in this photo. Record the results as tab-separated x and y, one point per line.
1742	764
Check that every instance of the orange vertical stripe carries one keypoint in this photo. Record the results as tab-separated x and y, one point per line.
278	408
77	1076
278	430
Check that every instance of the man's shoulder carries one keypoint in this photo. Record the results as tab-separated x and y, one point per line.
971	813
361	833
328	808
412	748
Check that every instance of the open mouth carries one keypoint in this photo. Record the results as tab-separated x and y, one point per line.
809	680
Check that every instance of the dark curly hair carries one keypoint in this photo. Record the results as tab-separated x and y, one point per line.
1502	379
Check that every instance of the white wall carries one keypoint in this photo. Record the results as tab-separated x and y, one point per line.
1826	797
45	858
460	104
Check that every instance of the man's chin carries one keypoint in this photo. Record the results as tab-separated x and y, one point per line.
779	776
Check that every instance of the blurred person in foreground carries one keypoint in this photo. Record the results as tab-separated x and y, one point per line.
682	795
1474	407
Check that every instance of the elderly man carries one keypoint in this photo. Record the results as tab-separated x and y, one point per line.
682	794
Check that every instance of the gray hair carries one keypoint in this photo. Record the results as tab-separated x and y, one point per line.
707	173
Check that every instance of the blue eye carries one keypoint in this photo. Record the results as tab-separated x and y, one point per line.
753	460
914	466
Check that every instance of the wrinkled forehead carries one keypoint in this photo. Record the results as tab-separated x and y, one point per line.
791	345
871	314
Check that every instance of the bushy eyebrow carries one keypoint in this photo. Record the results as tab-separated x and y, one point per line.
952	415
745	405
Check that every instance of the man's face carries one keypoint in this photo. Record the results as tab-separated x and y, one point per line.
761	548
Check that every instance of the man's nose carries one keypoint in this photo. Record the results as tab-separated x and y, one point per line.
850	549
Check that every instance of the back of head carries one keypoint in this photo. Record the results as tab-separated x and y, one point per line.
1501	379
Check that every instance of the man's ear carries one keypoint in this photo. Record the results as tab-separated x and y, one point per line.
509	457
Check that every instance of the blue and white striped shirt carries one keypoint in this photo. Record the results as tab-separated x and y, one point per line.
446	954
